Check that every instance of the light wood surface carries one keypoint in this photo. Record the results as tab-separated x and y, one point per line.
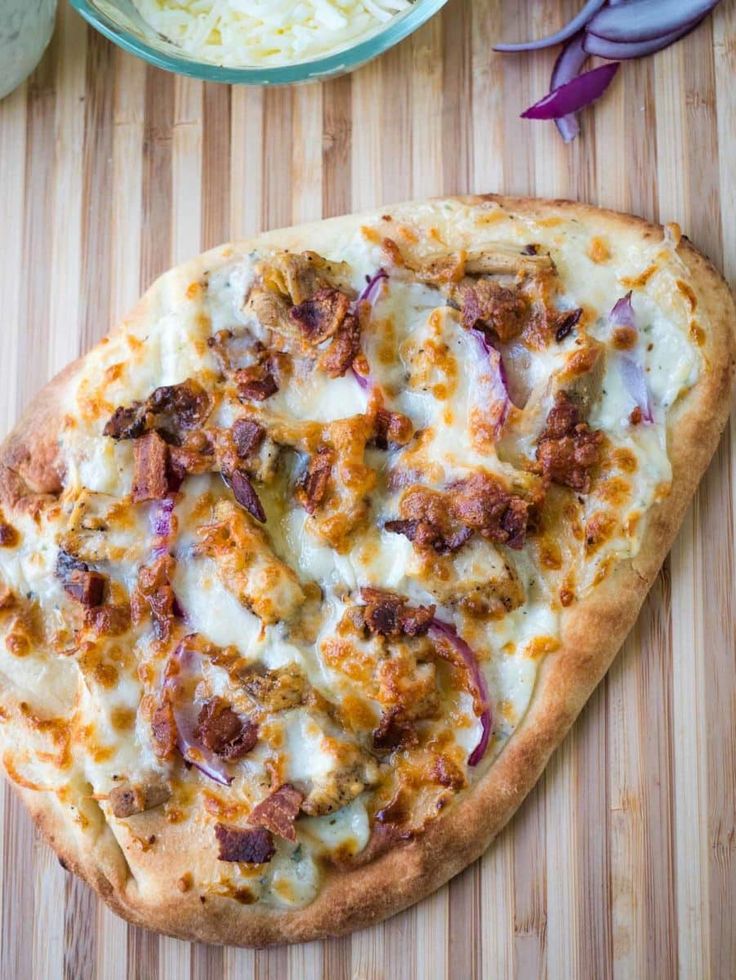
622	863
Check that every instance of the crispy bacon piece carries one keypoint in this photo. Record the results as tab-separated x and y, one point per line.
246	496
257	382
163	730
79	582
250	846
487	303
393	731
320	316
183	406
427	535
392	429
343	349
108	620
128	800
150	479
223	731
389	614
568	448
154	590
481	503
278	812
187	403
313	488
248	436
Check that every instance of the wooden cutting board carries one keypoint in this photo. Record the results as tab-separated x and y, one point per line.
622	863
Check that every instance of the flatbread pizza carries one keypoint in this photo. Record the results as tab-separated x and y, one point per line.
307	568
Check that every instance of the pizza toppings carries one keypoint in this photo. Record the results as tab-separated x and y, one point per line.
278	812
248	436
86	586
248	846
150	479
331	667
131	799
568	448
224	732
245	495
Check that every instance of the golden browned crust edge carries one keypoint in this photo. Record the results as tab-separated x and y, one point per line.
593	631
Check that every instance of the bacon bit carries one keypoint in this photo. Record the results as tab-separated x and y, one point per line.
224	732
257	382
248	437
253	846
320	317
108	620
150	480
343	349
313	488
163	730
185	405
187	402
278	812
530	249
565	323
393	732
427	535
154	589
126	423
483	504
246	496
486	302
79	582
568	448
624	338
389	614
636	416
392	429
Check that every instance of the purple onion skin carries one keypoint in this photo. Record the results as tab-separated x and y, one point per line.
574	95
569	63
572	27
371	286
626	50
636	384
449	633
622	313
648	20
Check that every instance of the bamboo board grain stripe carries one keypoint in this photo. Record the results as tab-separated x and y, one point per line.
622	862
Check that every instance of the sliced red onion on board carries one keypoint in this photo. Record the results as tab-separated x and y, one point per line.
622	313
478	683
573	95
647	20
635	381
186	714
570	28
571	59
625	50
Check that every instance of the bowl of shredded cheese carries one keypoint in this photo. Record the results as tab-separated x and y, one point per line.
257	42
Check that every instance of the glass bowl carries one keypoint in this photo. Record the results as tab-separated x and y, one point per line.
119	21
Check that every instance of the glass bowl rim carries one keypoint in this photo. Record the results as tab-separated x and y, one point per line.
340	62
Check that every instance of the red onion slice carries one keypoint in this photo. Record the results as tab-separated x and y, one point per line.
568	65
648	20
497	381
573	95
635	380
625	50
372	288
570	28
185	716
478	683
622	313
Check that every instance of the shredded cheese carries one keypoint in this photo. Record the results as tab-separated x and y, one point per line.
239	33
